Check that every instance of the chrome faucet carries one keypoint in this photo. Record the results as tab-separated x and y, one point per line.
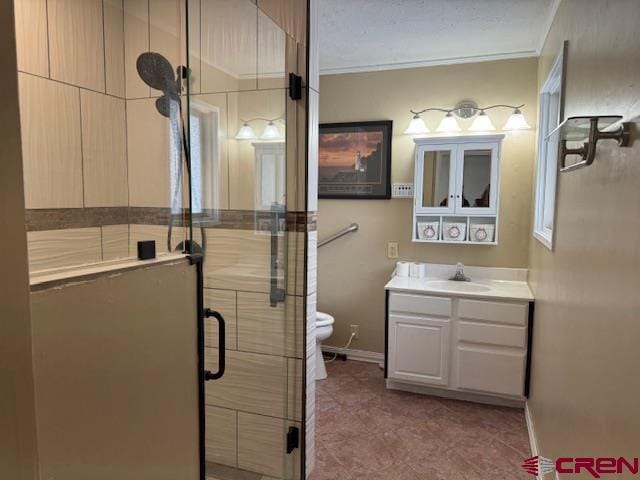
460	276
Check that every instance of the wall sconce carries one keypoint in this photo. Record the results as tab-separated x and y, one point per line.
579	129
270	132
467	109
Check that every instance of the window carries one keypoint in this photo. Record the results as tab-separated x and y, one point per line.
205	159
547	164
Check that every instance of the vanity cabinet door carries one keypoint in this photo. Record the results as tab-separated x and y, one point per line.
477	178
419	349
435	179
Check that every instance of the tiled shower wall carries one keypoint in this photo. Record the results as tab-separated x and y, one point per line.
83	114
72	107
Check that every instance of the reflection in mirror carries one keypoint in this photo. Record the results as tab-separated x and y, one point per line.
262	110
270	174
271	53
229	54
435	179
476	187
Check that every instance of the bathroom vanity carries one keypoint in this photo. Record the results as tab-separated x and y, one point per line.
467	340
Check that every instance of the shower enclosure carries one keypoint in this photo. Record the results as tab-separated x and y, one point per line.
242	128
181	121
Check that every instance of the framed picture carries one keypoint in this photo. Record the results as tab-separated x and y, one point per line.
355	160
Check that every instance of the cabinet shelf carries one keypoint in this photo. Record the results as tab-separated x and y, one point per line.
455	242
475	230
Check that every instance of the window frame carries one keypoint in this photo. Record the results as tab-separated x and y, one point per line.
546	165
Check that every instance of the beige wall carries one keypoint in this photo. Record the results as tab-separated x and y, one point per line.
18	450
584	393
353	271
116	376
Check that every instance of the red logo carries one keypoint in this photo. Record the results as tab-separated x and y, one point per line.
538	465
596	467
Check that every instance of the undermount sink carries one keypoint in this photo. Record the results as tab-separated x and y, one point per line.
451	286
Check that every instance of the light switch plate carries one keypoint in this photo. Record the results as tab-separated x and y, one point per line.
392	250
402	190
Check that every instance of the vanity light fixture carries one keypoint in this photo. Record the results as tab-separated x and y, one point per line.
246	132
271	131
416	126
467	109
516	121
448	124
482	123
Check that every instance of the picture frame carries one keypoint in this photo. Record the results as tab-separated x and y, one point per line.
354	160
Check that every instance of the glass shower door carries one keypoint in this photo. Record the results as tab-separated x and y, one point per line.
237	101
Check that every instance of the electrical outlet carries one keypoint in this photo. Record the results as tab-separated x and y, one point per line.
392	250
355	330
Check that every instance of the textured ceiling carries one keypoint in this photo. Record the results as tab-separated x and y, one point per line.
362	35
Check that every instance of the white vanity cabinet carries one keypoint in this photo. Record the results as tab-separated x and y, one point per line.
460	346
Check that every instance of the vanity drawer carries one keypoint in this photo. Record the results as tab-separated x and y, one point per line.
496	312
503	335
420	304
491	371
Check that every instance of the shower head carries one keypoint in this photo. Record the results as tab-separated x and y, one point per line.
157	72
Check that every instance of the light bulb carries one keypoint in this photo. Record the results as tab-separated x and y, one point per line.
482	123
416	126
516	121
448	124
271	132
246	133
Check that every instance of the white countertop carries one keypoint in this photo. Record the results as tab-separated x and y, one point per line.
487	283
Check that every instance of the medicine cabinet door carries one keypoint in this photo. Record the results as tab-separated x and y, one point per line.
435	179
477	179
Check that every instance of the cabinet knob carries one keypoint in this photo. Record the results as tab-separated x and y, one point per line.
457	196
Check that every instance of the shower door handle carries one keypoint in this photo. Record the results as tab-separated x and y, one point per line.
276	294
221	345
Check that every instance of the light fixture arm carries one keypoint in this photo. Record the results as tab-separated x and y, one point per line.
514	107
263	119
476	108
431	109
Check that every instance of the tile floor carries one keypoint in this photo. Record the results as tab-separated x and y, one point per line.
364	431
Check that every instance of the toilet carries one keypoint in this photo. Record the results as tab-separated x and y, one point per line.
324	329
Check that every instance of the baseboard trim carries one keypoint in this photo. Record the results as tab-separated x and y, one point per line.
533	440
358	355
455	394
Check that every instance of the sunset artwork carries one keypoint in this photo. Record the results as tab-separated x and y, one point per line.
354	160
341	149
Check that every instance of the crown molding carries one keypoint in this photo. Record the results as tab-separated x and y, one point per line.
429	63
